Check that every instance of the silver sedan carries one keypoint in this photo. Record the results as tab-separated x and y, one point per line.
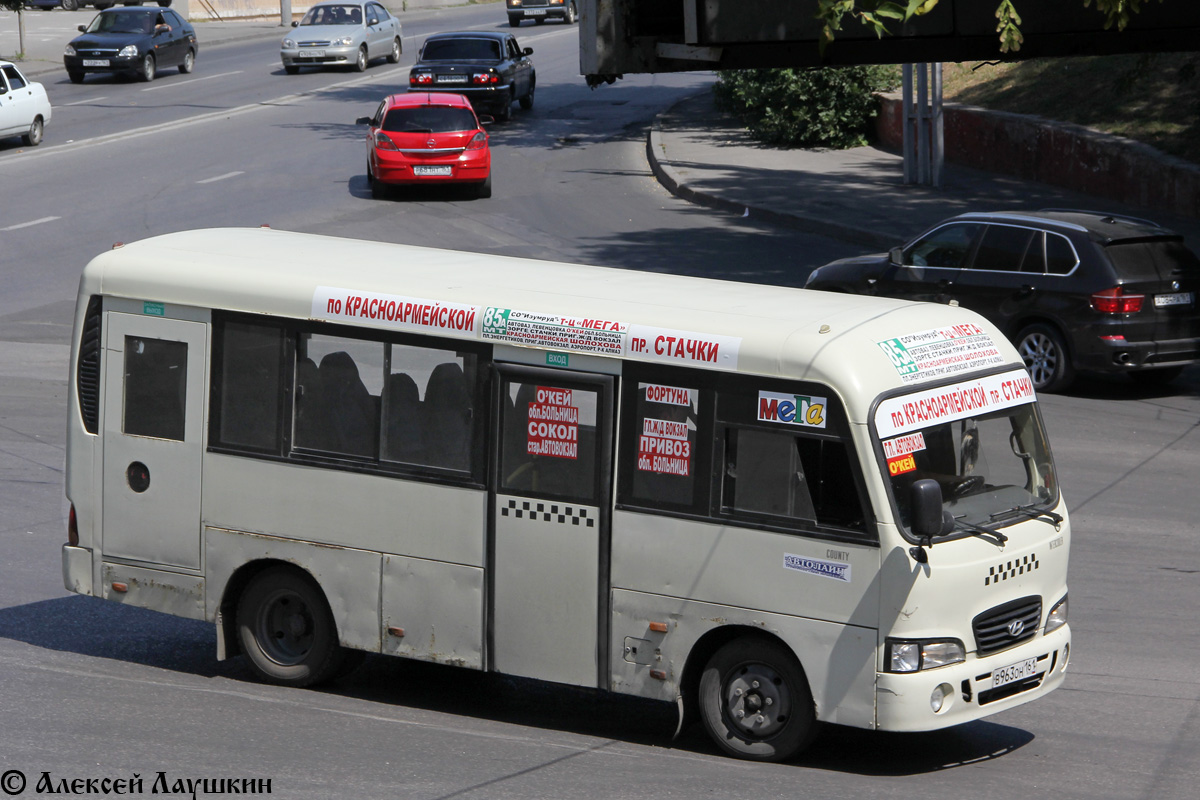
342	33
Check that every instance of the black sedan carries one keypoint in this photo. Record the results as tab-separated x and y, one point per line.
490	69
132	40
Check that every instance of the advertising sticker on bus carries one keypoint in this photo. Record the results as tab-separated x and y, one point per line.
553	424
939	352
899	452
792	409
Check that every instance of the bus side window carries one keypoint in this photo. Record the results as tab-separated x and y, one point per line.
667	421
155	385
429	401
250	377
765	475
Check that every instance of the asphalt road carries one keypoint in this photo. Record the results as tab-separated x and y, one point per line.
95	690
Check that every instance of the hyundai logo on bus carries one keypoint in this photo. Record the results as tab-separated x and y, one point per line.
792	409
1016	627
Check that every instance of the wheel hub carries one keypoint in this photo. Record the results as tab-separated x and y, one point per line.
757	701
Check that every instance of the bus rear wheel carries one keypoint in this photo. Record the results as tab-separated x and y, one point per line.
287	630
755	701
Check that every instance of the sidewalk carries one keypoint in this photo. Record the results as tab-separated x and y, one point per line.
858	195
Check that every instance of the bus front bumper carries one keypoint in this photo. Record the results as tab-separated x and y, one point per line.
905	702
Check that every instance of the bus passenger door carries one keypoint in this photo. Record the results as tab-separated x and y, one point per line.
548	555
153	428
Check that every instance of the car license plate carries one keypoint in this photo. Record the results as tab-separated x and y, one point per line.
451	78
95	62
1014	672
426	171
311	54
1176	299
534	12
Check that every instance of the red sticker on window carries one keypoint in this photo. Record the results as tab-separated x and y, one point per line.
664	448
553	424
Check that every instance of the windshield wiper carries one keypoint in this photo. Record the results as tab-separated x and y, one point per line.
980	531
1032	512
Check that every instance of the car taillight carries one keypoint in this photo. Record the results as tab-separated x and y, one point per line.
478	141
485	78
384	142
419	78
1116	301
72	528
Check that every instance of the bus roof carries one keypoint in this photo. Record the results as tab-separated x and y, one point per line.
859	346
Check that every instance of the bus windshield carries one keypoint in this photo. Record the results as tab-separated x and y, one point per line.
982	441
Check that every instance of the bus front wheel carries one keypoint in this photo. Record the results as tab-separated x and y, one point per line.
755	701
287	630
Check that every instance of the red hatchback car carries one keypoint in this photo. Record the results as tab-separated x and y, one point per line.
427	138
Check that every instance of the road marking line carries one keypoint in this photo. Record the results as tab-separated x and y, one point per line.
191	80
89	100
221	177
29	224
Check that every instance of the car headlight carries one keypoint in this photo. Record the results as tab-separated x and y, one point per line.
128	51
812	276
916	655
1057	616
345	41
70	51
289	44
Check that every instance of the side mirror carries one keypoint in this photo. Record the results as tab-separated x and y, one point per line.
373	21
925	509
83	28
363	121
528	51
896	255
295	23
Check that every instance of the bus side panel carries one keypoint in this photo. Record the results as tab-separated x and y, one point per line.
156	589
349	578
433	611
839	660
777	572
347	509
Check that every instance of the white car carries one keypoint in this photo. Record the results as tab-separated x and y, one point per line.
24	107
342	33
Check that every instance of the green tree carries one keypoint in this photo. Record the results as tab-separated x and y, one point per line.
875	14
17	6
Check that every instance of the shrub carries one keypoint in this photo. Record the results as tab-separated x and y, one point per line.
819	107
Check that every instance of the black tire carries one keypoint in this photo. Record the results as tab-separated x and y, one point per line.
76	77
147	68
36	130
1156	377
570	17
1046	358
504	113
485	189
291	69
755	701
189	62
287	630
527	101
360	63
397	49
379	190
70	5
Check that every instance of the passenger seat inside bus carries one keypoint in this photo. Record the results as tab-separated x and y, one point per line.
403	420
447	414
348	411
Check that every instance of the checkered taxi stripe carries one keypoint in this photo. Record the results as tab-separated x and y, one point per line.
547	512
1011	569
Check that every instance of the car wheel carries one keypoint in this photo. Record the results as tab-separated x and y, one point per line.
34	137
1046	358
378	188
287	630
527	101
70	5
504	112
147	68
189	62
570	17
76	77
397	49
485	189
755	701
360	63
291	69
1156	377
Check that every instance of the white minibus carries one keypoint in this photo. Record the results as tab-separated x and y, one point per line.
773	507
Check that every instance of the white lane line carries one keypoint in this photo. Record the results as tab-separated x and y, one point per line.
190	80
221	177
89	100
29	224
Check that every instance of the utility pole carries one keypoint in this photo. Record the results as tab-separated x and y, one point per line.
923	135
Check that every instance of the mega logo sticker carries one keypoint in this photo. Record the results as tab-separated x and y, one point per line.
838	570
792	409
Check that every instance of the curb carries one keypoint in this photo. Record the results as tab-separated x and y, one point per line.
661	166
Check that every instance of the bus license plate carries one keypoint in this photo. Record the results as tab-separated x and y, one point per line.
422	171
1014	672
95	62
1177	299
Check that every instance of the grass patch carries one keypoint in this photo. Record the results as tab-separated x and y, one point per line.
1152	98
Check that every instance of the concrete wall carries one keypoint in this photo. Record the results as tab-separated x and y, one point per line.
1070	156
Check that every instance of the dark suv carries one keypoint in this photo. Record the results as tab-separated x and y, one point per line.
1074	290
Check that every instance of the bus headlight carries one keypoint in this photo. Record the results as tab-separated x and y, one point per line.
913	656
1057	616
